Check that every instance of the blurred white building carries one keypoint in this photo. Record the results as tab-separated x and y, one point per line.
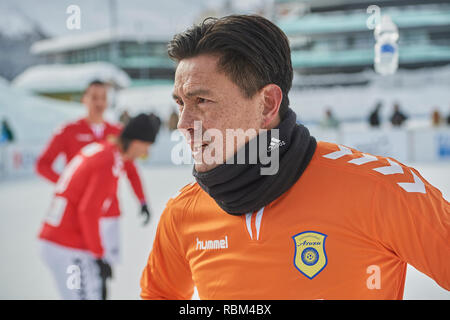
68	81
142	56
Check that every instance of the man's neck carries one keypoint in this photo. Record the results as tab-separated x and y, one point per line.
274	123
120	147
94	119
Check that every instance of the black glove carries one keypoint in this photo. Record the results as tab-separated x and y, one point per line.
146	213
105	269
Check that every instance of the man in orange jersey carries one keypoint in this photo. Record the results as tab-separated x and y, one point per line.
329	222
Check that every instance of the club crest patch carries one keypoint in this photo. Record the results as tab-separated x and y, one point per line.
310	257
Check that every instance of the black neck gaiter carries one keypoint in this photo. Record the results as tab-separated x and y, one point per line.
241	188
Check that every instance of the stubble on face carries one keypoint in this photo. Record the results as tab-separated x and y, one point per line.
204	93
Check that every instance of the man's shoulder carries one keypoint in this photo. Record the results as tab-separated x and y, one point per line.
349	164
181	204
70	127
185	195
100	154
114	128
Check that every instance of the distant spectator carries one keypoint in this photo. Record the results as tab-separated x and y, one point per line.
398	117
7	134
172	123
448	119
436	118
124	117
329	121
374	118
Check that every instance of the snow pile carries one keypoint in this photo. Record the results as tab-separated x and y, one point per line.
92	39
4	82
69	78
33	118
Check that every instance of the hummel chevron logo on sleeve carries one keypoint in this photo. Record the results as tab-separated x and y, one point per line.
366	158
392	168
416	186
337	154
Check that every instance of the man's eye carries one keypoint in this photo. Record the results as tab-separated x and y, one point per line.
179	102
202	100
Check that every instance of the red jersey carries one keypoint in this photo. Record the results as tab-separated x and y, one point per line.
345	230
84	192
70	139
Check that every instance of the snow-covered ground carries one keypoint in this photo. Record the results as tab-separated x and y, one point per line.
23	203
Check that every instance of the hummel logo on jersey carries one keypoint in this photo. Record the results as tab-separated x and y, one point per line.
275	143
212	244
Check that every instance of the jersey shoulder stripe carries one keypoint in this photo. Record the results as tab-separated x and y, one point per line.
385	169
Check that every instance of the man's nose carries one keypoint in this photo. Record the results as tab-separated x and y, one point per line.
190	125
187	118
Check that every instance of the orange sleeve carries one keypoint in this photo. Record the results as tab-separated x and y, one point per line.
135	180
413	222
44	164
167	274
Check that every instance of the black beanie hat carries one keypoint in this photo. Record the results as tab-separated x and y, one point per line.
143	127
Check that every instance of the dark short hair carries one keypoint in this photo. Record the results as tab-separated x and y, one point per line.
125	142
144	127
94	83
253	51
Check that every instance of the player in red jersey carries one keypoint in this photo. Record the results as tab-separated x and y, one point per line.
70	236
72	137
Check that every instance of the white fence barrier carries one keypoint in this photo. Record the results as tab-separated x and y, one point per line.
17	159
405	145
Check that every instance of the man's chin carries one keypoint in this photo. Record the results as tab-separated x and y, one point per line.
204	161
100	110
203	167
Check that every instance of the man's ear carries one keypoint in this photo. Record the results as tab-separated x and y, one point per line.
272	95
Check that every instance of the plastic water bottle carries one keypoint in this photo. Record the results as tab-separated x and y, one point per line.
386	47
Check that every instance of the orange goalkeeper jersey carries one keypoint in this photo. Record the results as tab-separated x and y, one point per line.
345	230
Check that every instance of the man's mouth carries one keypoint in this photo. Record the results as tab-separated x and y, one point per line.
198	147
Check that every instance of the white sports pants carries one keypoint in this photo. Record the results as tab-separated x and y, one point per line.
109	232
75	271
